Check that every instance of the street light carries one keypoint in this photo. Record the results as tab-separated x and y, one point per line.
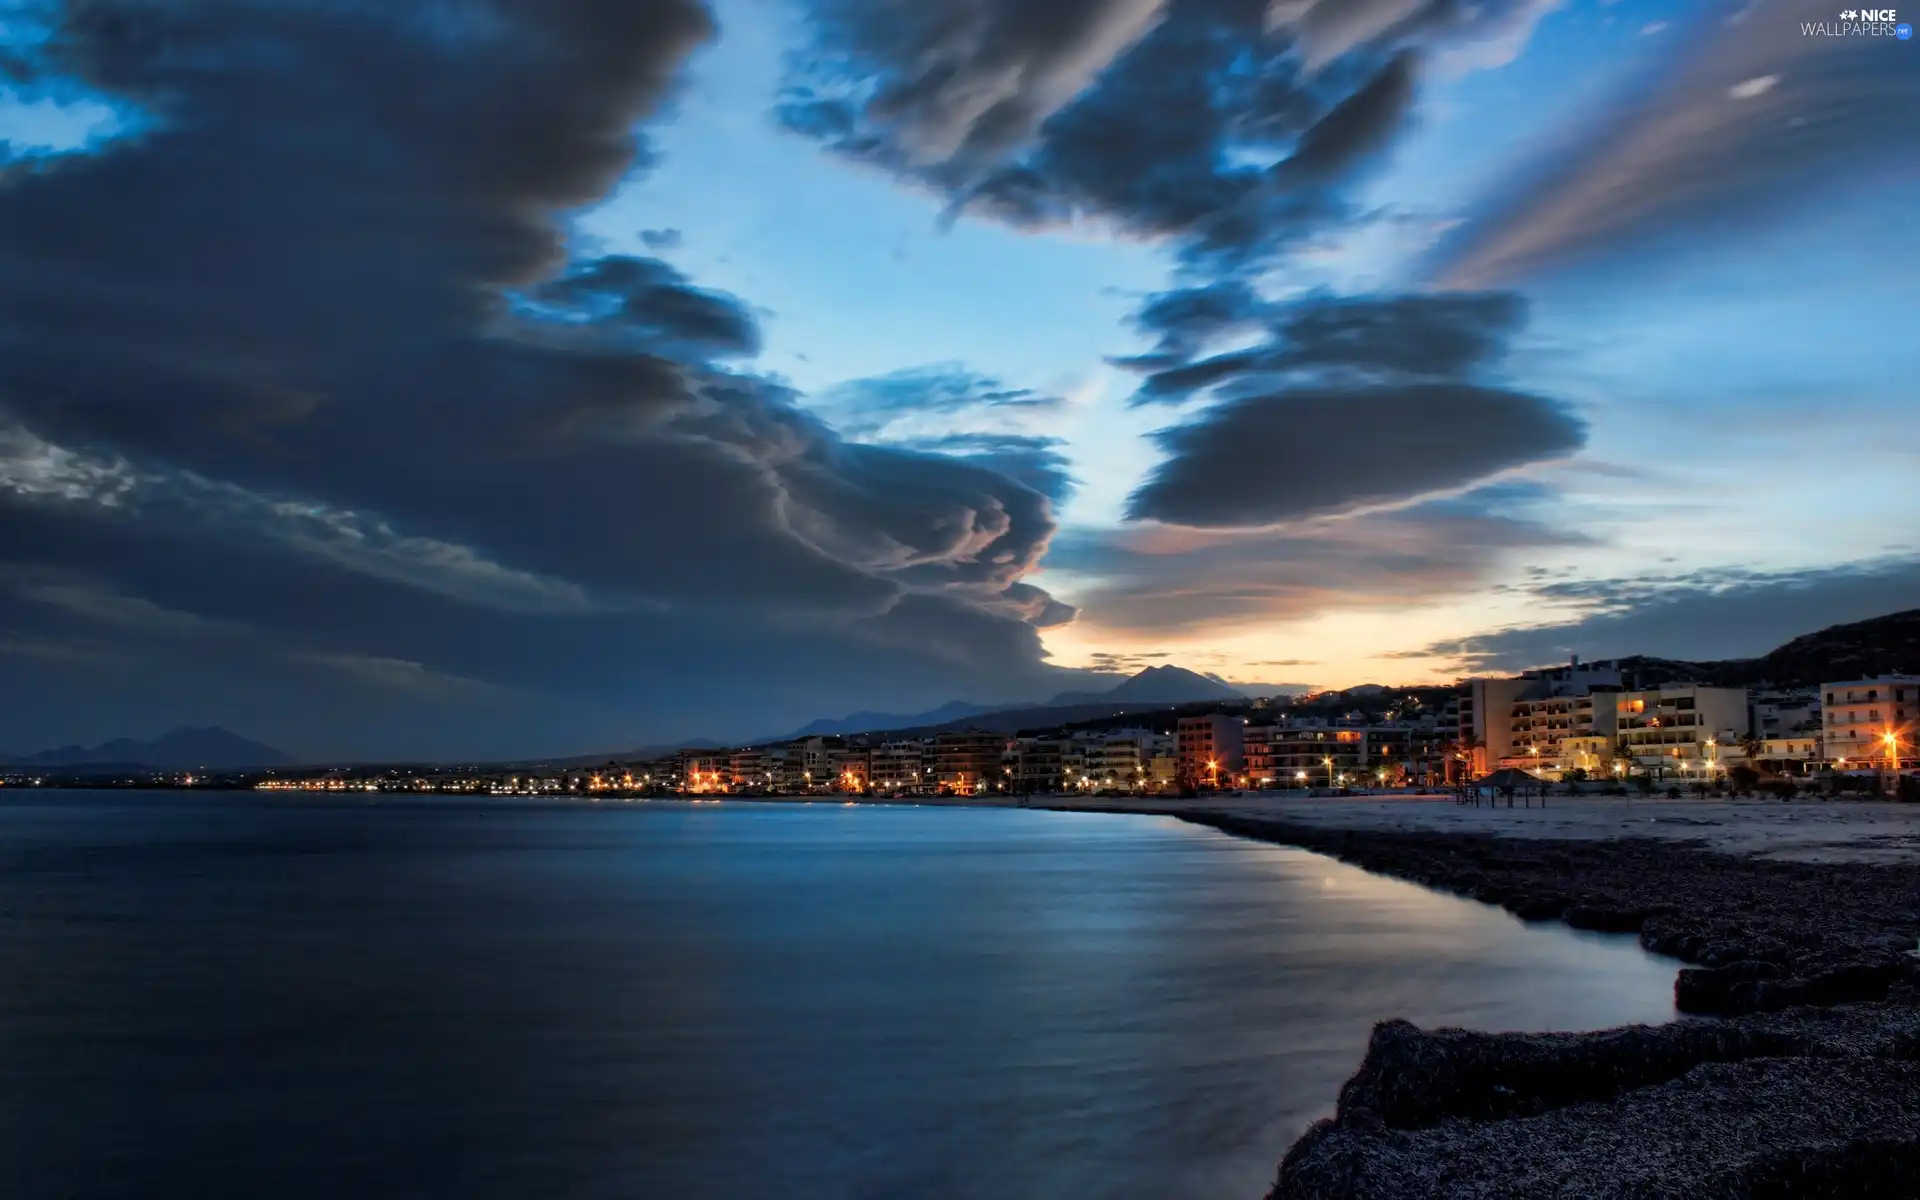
1329	762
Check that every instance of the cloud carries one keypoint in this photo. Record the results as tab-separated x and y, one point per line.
1283	443
1378	337
1748	119
340	382
1701	616
1273	458
663	239
1038	462
1158	582
1230	127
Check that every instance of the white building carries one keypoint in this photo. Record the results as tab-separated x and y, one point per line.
1681	729
1864	719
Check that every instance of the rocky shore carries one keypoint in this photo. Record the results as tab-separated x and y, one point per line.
1796	1074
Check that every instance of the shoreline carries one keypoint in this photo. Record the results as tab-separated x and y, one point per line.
1793	1084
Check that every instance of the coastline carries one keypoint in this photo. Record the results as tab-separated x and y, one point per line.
1788	1074
1793	1084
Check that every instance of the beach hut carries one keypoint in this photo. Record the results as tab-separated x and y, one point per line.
1508	780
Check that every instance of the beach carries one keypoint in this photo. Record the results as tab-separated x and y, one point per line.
1791	1074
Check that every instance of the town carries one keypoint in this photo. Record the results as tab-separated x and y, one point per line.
1595	725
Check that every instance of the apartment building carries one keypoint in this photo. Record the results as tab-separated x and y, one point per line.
1681	729
747	770
1553	735
1485	729
1211	749
1870	720
706	770
850	768
969	761
898	766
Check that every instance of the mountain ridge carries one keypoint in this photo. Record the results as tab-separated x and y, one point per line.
188	747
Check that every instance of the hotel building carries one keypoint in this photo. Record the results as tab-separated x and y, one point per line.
1858	718
1211	749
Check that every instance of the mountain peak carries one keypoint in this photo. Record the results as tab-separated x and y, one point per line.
188	747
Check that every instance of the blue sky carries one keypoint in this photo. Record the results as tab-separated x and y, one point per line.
684	371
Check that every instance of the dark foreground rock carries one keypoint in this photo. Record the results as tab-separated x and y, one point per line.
1808	1084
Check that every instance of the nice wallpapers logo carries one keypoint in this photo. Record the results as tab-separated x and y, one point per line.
1861	22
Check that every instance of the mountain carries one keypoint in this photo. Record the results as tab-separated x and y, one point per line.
1877	646
1155	685
860	722
211	747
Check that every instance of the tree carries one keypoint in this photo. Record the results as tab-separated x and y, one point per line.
1644	781
1742	779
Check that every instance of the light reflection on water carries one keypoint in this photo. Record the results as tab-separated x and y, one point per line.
236	996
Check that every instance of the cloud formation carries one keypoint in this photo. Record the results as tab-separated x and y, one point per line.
1163	582
1351	403
1228	126
318	325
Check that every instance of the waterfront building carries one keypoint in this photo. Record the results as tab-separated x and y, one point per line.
1864	719
1794	753
1681	729
969	761
748	771
1163	770
706	770
899	766
850	768
1211	749
1485	729
1037	765
1120	758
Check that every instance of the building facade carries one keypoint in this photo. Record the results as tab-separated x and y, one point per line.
1681	729
1870	721
969	762
1211	750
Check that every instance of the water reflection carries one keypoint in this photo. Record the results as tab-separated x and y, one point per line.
474	1001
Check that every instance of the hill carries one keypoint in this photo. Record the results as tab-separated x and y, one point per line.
210	748
1155	685
1878	646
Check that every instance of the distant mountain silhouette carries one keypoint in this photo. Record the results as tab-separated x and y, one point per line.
212	748
1155	685
1858	650
860	722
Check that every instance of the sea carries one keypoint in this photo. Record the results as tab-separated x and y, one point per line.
252	995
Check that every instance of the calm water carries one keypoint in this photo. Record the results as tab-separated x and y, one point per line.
233	996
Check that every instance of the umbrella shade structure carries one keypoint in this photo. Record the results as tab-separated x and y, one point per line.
1509	777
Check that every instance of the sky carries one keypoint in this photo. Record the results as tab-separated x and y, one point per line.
499	378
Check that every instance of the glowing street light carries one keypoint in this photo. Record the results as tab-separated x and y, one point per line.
1329	762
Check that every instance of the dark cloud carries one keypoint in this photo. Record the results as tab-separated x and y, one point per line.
663	239
1230	126
305	359
1312	452
654	304
1701	616
1160	581
1375	337
1351	403
1743	122
1037	462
